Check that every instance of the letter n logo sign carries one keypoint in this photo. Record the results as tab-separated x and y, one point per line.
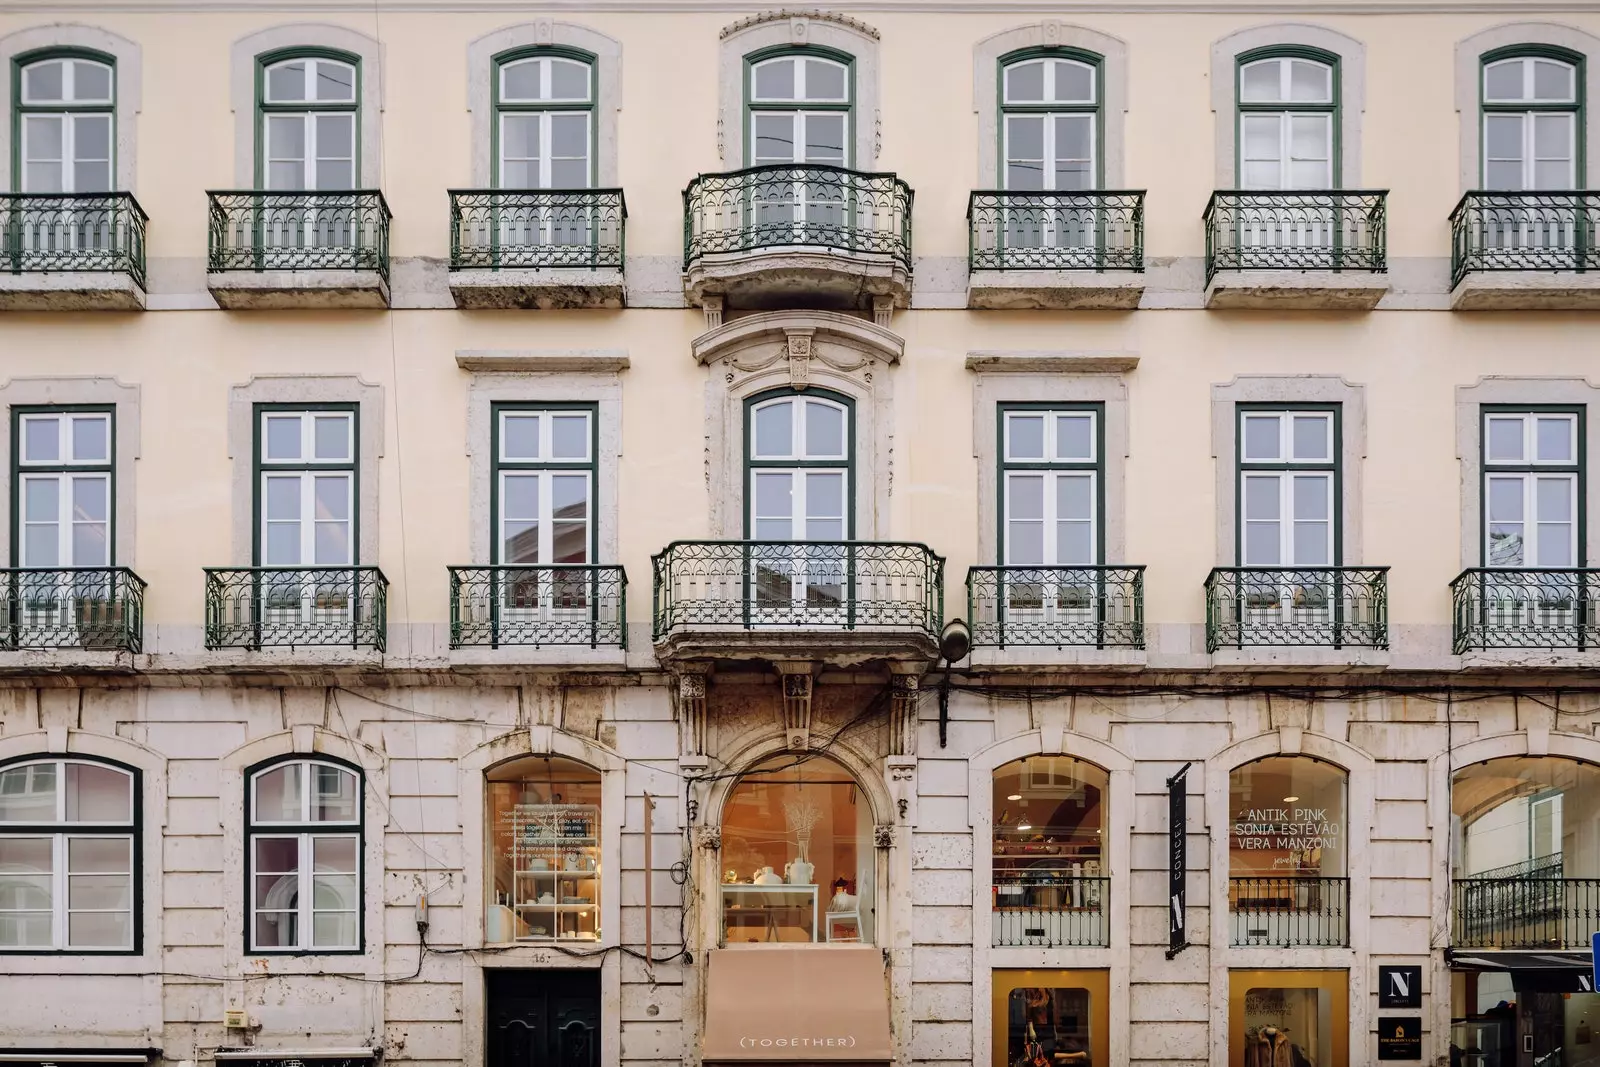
1400	987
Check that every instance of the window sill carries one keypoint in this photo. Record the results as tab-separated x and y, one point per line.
548	289
1029	657
1299	657
71	291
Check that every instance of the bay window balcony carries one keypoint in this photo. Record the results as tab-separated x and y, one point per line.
802	233
72	252
537	248
843	601
1307	249
296	607
538	606
94	608
1532	251
1327	607
1055	250
302	249
1504	607
1060	607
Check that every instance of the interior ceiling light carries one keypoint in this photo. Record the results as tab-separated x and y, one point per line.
1024	826
1290	800
1014	796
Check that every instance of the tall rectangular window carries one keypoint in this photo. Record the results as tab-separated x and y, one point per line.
306	486
62	472
1051	485
544	484
1289	490
1533	489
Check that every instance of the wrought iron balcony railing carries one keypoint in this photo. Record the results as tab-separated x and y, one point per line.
1289	911
1094	231
797	206
550	605
1094	607
264	607
1051	908
98	608
1314	229
255	230
100	232
1327	607
845	585
1524	232
1503	607
536	229
1531	911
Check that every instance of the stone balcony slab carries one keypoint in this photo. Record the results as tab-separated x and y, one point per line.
1055	290
1532	290
275	290
71	291
543	290
1293	290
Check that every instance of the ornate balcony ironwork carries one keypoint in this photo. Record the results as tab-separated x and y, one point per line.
1503	607
99	608
1051	908
1091	231
1529	908
1328	607
1289	911
536	229
1310	230
254	230
1532	231
1096	607
262	607
549	605
840	585
797	206
100	232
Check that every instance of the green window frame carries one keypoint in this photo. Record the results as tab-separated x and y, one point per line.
1053	105
1533	459
548	65
1281	454
312	106
1294	105
554	459
1530	65
299	856
802	461
78	109
67	462
801	103
316	456
1062	445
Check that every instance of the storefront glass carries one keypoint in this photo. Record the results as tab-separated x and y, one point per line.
543	827
1556	1019
1287	853
1288	1018
1050	885
1050	1018
797	855
1525	815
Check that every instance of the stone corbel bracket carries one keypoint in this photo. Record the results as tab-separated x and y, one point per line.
798	683
900	772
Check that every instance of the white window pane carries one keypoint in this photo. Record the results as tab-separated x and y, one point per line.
825	139
1552	80
519	138
41	439
275	856
27	856
97	929
1503	80
278	929
1025	82
1261	175
283	437
1075	497
91	137
1025	176
333	930
1263	137
1310	137
824	80
1025	496
335	855
42	500
277	794
1024	137
1074	544
1075	437
1311	496
41	546
332	437
1027	544
1311	544
332	545
91	81
283	544
520	542
100	892
1074	137
335	174
332	496
91	438
774	437
824	430
519	436
1555	439
569	436
569	497
91	177
1261	497
1311	437
333	796
335	137
1262	440
1552	137
1305	174
570	174
335	81
28	793
775	80
824	496
1261	544
1502	137
99	855
89	500
283	498
287	81
519	498
1310	82
1553	500
520	81
1505	500
286	175
1505	443
44	82
1025	436
1555	544
46	137
569	135
1074	82
97	793
1552	174
774	496
91	545
1259	82
569	80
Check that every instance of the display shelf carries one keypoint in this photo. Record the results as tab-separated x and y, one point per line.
554	853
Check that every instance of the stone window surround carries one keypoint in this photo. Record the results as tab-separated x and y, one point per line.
242	92
1469	56
994	388
1352	96
304	389
65	392
1492	389
797	29
545	33
1113	53
1289	389
602	389
129	95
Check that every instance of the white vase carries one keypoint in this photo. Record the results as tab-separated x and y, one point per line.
800	872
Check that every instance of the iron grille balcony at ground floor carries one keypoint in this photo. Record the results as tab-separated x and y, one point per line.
72	252
296	607
98	608
1525	250
1312	249
1093	607
1525	906
298	249
538	605
1052	907
1327	607
1529	609
1289	911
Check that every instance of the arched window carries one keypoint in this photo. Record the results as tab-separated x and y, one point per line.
799	104
1288	105
798	457
797	855
1051	885
545	863
69	857
544	120
303	835
308	136
66	123
1050	131
1532	130
1287	853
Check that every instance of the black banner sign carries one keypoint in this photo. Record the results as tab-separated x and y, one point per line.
1400	1038
1178	856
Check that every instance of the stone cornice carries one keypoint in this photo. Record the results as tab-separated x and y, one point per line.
783	14
1515	8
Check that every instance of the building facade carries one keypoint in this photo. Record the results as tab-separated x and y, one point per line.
699	533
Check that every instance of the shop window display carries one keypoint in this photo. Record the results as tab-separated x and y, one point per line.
797	855
1048	858
544	855
1287	853
1288	1019
1050	1018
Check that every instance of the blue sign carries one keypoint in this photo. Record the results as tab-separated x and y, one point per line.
1594	956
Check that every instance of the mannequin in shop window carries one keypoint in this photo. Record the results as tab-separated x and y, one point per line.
1271	1047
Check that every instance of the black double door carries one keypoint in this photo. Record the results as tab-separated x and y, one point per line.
543	1018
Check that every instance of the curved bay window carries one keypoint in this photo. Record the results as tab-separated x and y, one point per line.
544	851
1050	877
69	858
797	855
1287	853
303	839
